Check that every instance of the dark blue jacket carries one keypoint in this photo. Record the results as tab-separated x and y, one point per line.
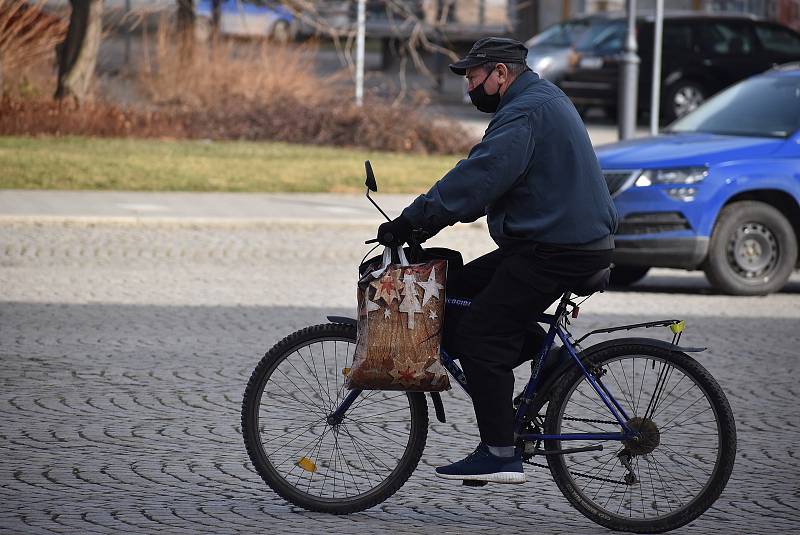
534	174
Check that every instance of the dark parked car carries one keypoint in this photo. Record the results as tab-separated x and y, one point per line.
702	54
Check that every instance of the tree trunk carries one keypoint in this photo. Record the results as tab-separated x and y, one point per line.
186	29
77	55
186	15
215	18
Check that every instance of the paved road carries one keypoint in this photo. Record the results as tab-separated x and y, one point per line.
125	348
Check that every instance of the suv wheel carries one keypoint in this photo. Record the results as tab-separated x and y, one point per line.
682	97
753	250
627	275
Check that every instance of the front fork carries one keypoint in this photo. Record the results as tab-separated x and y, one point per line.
337	416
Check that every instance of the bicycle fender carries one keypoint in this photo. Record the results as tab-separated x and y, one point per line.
543	394
342	319
661	344
438	406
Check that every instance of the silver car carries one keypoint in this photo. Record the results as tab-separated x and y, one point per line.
550	52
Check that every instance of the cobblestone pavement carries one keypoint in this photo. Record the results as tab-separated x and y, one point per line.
125	349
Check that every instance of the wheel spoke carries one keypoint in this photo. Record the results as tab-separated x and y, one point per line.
331	465
675	456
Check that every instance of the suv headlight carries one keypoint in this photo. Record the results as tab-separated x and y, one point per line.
681	175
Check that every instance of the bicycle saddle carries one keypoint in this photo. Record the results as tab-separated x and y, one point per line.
594	283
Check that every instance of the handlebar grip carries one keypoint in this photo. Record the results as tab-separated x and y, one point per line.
373	240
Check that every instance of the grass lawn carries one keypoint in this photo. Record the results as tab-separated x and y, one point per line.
156	165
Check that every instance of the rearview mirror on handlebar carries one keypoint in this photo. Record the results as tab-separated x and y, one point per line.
371	184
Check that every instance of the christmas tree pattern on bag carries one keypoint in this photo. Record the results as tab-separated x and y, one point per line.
399	330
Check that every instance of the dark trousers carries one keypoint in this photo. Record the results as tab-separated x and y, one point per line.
509	289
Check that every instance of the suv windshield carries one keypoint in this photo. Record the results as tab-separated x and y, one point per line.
766	106
605	35
560	35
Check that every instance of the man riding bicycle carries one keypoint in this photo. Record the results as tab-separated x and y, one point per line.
536	178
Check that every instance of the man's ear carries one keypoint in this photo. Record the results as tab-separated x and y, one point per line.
502	73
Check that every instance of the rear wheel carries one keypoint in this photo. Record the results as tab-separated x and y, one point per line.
682	459
308	458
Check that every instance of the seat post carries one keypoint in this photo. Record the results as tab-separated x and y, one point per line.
562	305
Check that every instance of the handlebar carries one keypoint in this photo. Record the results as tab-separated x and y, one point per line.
418	236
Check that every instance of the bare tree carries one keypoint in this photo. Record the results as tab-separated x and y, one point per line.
215	19
185	22
77	55
186	15
411	31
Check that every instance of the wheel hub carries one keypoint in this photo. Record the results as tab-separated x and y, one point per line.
649	436
333	420
687	99
753	250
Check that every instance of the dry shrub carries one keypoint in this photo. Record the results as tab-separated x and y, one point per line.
226	73
377	126
28	37
233	90
48	117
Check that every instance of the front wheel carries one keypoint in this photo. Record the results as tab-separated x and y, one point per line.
682	458
314	461
752	251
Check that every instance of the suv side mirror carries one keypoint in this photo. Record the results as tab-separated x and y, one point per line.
370	183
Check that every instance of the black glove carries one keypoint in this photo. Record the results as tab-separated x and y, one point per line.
395	233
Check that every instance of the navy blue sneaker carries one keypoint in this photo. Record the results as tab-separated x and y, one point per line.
481	465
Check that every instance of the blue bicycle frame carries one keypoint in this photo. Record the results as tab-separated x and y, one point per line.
554	321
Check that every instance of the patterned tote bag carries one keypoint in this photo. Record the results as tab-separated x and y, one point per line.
400	318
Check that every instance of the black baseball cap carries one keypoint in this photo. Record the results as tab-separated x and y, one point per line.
491	49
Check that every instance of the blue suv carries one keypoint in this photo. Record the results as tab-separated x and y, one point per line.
719	190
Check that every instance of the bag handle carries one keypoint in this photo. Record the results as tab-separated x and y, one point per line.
387	260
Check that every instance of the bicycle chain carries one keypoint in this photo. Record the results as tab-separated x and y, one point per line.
589	421
581	474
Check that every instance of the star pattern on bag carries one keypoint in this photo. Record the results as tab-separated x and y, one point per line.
431	287
370	305
406	372
387	287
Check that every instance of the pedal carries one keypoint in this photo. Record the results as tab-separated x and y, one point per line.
473	483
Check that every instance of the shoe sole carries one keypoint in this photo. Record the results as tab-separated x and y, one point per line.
497	477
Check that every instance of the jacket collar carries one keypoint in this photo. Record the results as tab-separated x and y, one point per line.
519	85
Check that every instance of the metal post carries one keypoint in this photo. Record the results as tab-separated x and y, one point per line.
655	93
360	52
629	78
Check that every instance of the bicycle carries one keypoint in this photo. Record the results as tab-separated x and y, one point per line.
661	434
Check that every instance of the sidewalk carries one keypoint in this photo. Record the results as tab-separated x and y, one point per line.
184	207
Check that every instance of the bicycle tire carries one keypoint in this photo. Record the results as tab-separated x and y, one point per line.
254	425
672	451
